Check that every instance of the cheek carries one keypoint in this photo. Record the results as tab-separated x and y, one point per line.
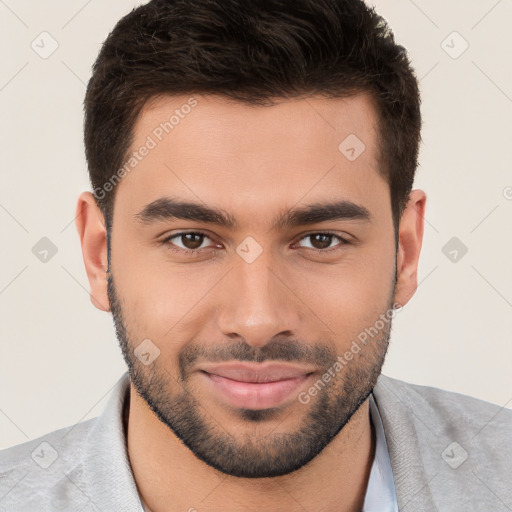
161	300
349	296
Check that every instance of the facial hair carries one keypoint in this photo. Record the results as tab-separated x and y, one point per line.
172	399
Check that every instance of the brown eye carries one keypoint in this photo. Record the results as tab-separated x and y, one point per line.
323	241
187	241
192	240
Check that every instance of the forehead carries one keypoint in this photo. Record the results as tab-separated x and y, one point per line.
214	121
237	156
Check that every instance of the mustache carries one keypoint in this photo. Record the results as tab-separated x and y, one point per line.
287	350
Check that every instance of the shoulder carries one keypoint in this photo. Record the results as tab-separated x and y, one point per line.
73	468
446	423
447	414
61	443
451	406
446	448
28	470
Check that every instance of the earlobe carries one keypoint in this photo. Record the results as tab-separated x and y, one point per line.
409	248
90	224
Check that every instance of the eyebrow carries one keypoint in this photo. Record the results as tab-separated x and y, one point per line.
167	208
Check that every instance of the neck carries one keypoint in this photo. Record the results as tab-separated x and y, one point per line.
170	477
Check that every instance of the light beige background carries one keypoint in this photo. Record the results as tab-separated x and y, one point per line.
59	356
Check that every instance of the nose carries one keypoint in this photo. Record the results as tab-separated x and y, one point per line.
257	302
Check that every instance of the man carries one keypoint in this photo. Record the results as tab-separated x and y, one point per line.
253	230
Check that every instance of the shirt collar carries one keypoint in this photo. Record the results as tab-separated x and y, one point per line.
380	493
104	465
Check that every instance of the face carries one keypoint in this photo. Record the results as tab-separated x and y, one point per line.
232	309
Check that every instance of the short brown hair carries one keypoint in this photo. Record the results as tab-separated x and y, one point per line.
252	51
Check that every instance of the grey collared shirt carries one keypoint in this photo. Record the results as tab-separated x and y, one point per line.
447	452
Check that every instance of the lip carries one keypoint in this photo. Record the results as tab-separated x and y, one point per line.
254	386
256	372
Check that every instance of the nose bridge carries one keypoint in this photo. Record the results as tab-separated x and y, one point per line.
257	304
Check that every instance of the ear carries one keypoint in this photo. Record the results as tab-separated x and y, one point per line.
410	240
90	224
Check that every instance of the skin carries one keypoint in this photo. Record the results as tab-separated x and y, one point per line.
259	162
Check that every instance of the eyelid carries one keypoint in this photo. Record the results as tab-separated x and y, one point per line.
343	241
169	238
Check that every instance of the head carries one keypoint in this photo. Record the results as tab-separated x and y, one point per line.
252	168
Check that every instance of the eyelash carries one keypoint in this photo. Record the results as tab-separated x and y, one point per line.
192	252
